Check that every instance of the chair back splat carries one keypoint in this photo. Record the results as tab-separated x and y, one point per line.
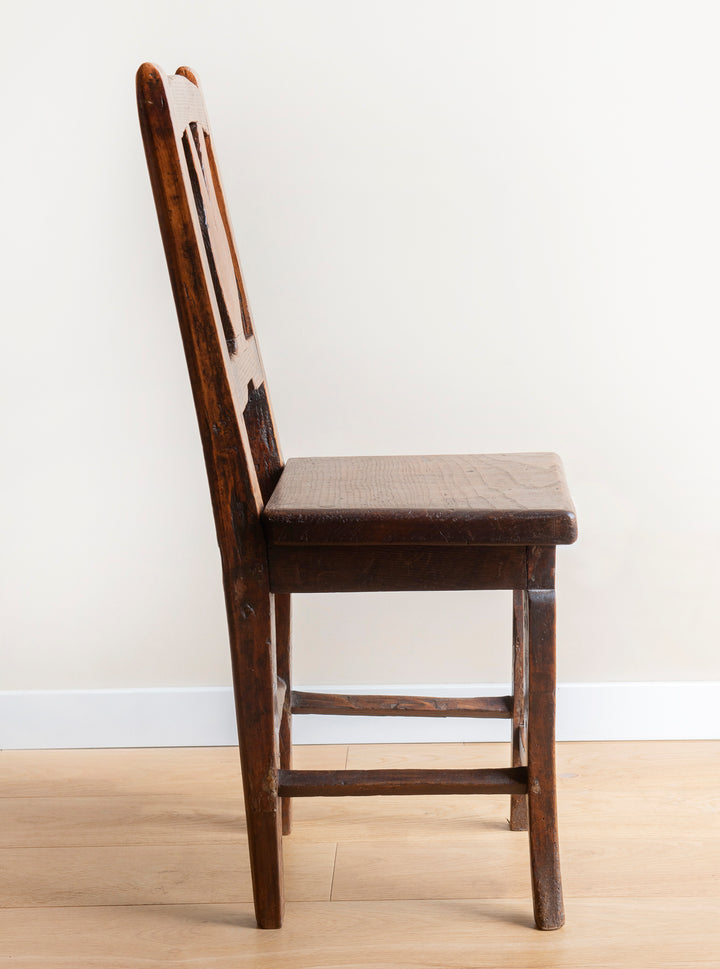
345	525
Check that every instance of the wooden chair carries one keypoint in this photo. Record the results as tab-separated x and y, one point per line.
344	525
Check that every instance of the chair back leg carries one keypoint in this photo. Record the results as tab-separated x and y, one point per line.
283	641
518	802
252	650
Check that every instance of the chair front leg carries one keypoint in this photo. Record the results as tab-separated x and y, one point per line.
542	799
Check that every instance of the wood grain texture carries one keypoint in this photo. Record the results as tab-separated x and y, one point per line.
607	933
242	457
356	705
369	783
541	796
518	803
635	791
596	867
455	755
500	499
395	568
152	874
140	772
645	811
541	567
283	638
155	819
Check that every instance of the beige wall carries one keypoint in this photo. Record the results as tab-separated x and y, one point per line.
465	226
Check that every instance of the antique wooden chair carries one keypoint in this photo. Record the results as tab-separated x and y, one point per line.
343	525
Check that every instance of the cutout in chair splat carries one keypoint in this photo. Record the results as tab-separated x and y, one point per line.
217	239
261	434
244	307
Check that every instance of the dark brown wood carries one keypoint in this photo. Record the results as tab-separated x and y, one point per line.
488	707
369	783
518	803
541	567
224	367
343	525
394	568
542	801
284	657
468	499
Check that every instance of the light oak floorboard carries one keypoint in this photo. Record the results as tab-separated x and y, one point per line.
138	858
638	933
200	819
498	868
149	820
153	875
441	818
644	765
141	771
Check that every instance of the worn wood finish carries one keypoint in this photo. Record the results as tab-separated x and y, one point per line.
343	525
467	499
369	783
284	658
542	801
497	707
518	803
227	379
394	568
540	567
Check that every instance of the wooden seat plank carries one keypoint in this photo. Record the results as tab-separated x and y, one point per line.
467	499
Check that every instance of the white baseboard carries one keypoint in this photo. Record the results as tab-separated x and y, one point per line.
200	717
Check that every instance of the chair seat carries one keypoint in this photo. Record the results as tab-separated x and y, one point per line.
488	499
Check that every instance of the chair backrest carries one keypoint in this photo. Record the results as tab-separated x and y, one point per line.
241	449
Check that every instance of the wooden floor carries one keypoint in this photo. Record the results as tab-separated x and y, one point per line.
136	858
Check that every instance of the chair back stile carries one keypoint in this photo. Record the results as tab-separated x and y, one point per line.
242	454
242	457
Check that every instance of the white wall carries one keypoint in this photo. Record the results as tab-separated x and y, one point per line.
465	226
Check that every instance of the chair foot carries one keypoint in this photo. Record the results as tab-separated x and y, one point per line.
266	865
551	924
